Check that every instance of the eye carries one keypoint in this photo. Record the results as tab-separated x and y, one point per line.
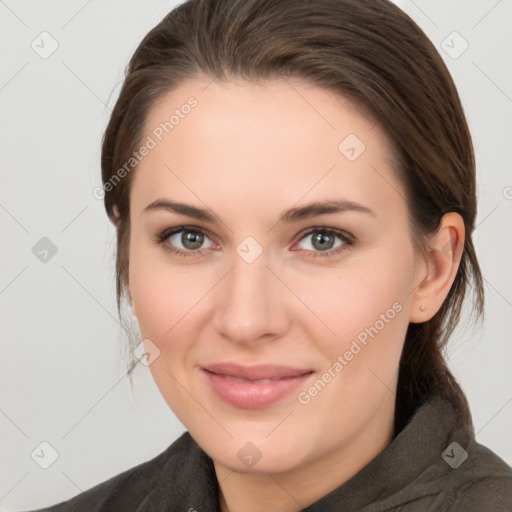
323	243
191	239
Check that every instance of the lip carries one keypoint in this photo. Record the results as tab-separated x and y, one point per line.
253	387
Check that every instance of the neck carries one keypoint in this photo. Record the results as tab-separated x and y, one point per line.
297	488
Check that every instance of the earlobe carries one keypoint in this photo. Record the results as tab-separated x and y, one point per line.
116	218
442	262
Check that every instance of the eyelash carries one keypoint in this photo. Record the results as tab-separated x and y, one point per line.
347	239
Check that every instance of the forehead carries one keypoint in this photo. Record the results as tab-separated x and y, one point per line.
288	107
239	138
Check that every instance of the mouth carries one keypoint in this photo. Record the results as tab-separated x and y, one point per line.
253	387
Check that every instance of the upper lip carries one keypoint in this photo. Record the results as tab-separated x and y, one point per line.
257	372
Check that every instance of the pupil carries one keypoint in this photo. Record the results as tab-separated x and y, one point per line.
191	240
321	237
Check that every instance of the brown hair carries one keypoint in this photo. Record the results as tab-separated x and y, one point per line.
368	52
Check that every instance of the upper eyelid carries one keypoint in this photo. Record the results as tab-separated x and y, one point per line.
327	229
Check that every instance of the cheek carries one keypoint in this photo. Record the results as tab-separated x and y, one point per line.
161	294
365	308
374	292
163	300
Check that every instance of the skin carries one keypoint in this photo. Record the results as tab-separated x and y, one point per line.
248	152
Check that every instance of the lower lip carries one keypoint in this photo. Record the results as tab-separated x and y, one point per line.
253	395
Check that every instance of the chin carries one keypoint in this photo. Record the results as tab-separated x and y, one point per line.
254	454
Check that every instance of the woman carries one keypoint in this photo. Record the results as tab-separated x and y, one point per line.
293	188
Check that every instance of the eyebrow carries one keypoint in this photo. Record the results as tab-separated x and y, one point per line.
288	216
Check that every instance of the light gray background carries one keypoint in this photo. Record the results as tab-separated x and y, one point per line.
62	373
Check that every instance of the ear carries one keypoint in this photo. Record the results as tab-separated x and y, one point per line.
117	218
439	268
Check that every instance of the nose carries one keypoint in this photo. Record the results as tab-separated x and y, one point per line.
252	305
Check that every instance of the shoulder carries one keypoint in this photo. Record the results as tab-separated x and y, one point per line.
482	482
131	488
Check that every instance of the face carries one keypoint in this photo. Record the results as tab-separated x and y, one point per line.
275	327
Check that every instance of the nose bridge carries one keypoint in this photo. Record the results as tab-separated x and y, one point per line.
249	306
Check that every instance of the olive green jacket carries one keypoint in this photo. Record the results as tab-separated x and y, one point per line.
434	464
